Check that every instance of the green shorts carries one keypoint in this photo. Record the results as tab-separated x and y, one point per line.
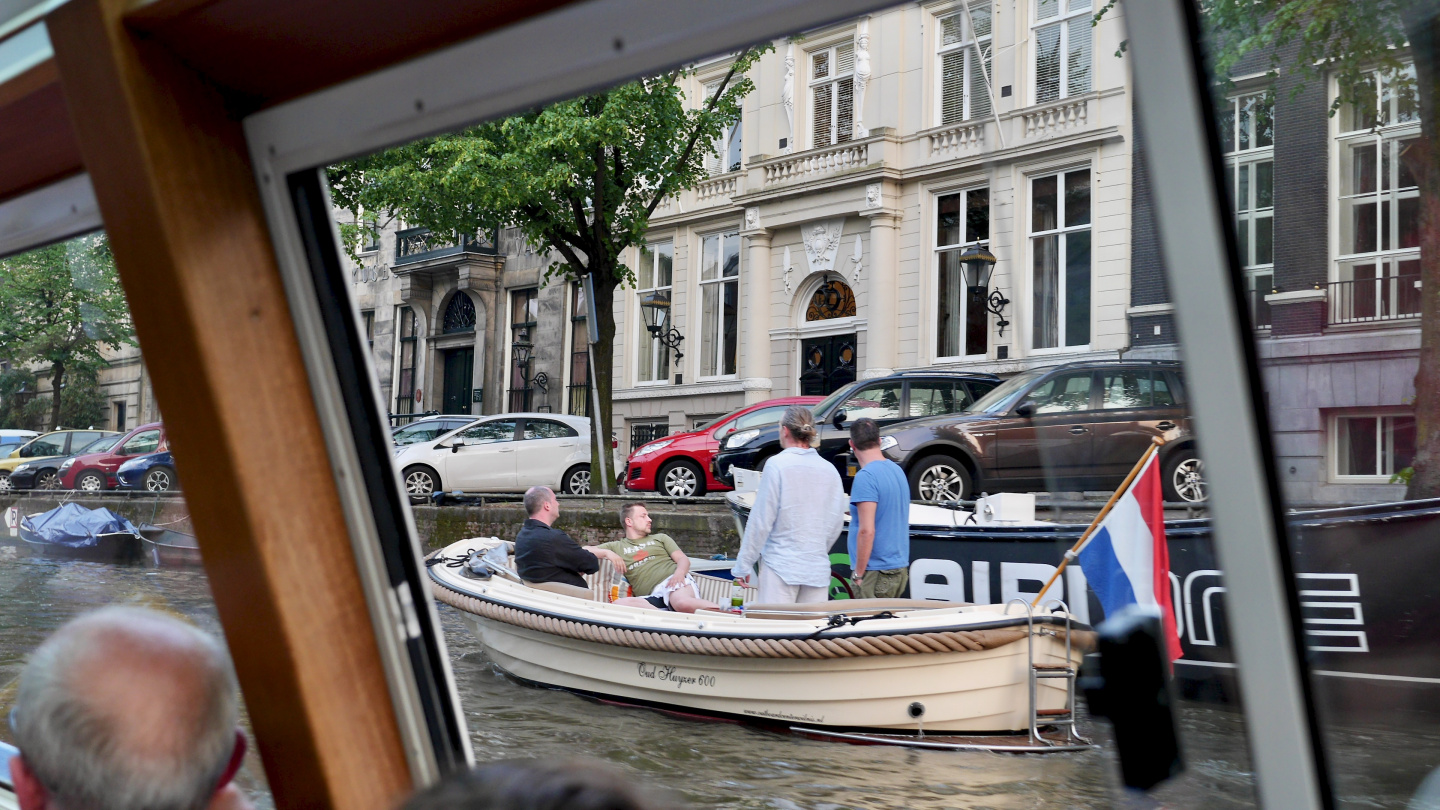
884	584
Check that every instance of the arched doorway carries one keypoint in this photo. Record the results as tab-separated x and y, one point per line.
458	364
828	361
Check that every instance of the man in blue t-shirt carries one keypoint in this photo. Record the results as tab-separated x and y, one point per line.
879	518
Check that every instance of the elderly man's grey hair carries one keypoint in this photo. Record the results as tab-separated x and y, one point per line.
127	709
535	498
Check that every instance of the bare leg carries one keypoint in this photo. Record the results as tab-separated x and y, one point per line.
685	600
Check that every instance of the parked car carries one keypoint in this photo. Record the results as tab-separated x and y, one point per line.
679	465
10	440
1080	426
153	473
93	472
888	400
433	427
508	452
57	444
45	474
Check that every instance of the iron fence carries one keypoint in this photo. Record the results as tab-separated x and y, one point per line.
1382	298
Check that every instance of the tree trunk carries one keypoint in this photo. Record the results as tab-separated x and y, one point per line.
57	380
1425	480
602	423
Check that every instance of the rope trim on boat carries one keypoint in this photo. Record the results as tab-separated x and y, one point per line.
736	647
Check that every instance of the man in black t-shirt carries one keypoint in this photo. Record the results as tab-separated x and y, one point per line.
546	554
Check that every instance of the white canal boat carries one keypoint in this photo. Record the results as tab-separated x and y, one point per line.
910	672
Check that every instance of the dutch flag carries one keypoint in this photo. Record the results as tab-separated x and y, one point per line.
1126	561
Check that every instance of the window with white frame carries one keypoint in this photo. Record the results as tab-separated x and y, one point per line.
1247	136
964	66
832	95
1060	259
652	275
1064	54
1378	147
719	303
726	156
1373	446
961	326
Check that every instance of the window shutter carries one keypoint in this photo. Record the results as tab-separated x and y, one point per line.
952	87
980	13
979	93
844	59
1047	63
820	65
1079	58
820	112
844	110
1045	9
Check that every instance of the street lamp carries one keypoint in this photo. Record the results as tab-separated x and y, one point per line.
524	353
656	308
979	263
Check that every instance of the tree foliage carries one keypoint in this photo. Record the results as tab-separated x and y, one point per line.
578	178
60	307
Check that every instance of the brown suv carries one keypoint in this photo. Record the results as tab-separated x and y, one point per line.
1080	426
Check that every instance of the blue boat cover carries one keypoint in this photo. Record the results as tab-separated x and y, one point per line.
73	526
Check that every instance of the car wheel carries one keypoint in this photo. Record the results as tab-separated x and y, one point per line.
90	482
940	478
160	479
681	479
576	480
5	482
47	480
421	481
1185	478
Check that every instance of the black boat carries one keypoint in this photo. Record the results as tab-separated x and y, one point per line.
1366	577
71	530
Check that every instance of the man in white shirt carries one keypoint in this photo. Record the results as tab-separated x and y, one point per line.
798	513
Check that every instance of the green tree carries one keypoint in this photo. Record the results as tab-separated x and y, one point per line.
14	384
1353	41
579	178
60	306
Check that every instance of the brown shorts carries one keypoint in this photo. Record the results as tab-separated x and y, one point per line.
884	584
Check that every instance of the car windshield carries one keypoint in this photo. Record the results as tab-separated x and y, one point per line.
999	397
100	445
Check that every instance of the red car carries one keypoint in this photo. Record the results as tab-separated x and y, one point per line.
679	465
96	471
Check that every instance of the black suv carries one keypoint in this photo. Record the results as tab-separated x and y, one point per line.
1080	426
888	400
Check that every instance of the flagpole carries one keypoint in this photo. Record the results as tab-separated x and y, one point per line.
1084	538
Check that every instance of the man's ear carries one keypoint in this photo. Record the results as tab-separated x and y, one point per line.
28	790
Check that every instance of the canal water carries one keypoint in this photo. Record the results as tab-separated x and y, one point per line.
723	765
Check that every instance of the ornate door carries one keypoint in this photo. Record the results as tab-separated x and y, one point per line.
459	367
826	364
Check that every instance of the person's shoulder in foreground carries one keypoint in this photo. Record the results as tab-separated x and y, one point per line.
541	784
127	707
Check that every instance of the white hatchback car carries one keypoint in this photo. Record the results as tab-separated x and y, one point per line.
508	452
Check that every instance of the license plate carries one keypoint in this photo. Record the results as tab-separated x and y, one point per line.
850	470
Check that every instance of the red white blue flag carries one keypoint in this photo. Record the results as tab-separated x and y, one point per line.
1126	561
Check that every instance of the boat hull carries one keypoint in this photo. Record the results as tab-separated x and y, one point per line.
964	692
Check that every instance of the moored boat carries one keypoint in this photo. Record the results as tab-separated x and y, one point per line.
169	547
899	667
71	530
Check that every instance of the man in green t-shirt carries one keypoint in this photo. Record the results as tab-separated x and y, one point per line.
656	568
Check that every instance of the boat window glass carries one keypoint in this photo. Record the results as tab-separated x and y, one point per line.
161	568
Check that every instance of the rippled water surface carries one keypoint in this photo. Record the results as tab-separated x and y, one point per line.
724	765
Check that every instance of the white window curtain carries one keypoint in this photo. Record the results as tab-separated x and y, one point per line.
653	274
719	303
726	154
1060	259
1064	55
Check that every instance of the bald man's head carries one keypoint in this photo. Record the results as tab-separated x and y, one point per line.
127	708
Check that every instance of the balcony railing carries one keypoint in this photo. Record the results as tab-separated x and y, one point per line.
818	163
419	244
1366	300
1057	117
